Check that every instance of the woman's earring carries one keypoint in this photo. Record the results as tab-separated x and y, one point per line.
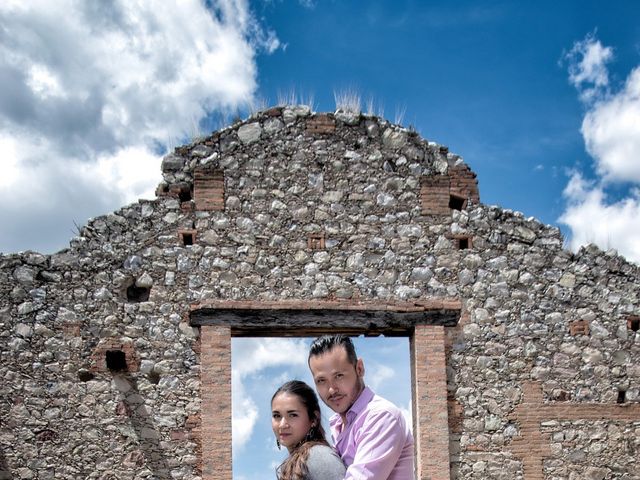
278	443
310	434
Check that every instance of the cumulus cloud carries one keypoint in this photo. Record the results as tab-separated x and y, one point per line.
254	355
611	132
588	67
592	218
377	374
244	413
93	91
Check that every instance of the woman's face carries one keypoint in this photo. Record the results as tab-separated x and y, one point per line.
289	419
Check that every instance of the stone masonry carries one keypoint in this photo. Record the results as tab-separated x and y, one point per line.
115	353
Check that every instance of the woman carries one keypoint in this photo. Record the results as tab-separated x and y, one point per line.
295	419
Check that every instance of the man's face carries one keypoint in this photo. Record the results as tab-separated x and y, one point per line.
337	380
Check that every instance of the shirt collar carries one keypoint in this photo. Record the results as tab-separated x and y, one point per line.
358	406
362	401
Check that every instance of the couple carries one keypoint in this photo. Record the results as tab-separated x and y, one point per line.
371	436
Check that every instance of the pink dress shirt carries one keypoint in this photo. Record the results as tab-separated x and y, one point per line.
376	443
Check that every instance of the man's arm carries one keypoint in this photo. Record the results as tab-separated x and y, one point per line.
379	443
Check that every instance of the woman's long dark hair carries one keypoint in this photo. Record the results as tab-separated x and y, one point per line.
295	465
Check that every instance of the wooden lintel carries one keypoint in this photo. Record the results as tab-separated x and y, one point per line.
292	322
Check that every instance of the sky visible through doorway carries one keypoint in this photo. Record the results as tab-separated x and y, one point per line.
261	365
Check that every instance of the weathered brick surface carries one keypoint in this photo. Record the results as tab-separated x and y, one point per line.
436	191
579	327
215	392
208	189
464	183
434	195
431	423
185	234
321	124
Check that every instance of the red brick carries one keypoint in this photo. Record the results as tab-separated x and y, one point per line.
208	189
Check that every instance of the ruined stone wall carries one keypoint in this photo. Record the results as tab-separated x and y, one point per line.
543	367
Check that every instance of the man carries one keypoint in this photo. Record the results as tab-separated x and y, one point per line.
369	432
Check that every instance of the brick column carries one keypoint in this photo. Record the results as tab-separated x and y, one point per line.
430	417
215	409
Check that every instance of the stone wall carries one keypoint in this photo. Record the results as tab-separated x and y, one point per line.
100	365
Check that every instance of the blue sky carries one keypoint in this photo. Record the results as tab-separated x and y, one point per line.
541	99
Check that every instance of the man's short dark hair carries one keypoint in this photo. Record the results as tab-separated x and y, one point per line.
326	343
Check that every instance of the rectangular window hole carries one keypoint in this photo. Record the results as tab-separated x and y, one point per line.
622	395
561	395
187	237
315	241
185	195
461	242
456	202
116	360
154	377
42	436
261	241
633	323
579	327
85	375
138	294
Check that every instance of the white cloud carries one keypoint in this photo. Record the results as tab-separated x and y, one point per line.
90	90
593	219
44	83
9	147
376	374
51	195
587	66
244	411
253	355
611	132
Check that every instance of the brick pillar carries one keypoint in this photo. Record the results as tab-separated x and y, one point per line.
430	417
215	409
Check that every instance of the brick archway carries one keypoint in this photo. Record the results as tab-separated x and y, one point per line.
423	322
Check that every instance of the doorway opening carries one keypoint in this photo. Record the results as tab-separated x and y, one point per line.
423	323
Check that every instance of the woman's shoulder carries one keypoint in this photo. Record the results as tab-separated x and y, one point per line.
324	463
321	450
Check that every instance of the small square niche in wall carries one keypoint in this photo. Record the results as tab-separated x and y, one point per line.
456	202
187	237
316	241
116	360
138	294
